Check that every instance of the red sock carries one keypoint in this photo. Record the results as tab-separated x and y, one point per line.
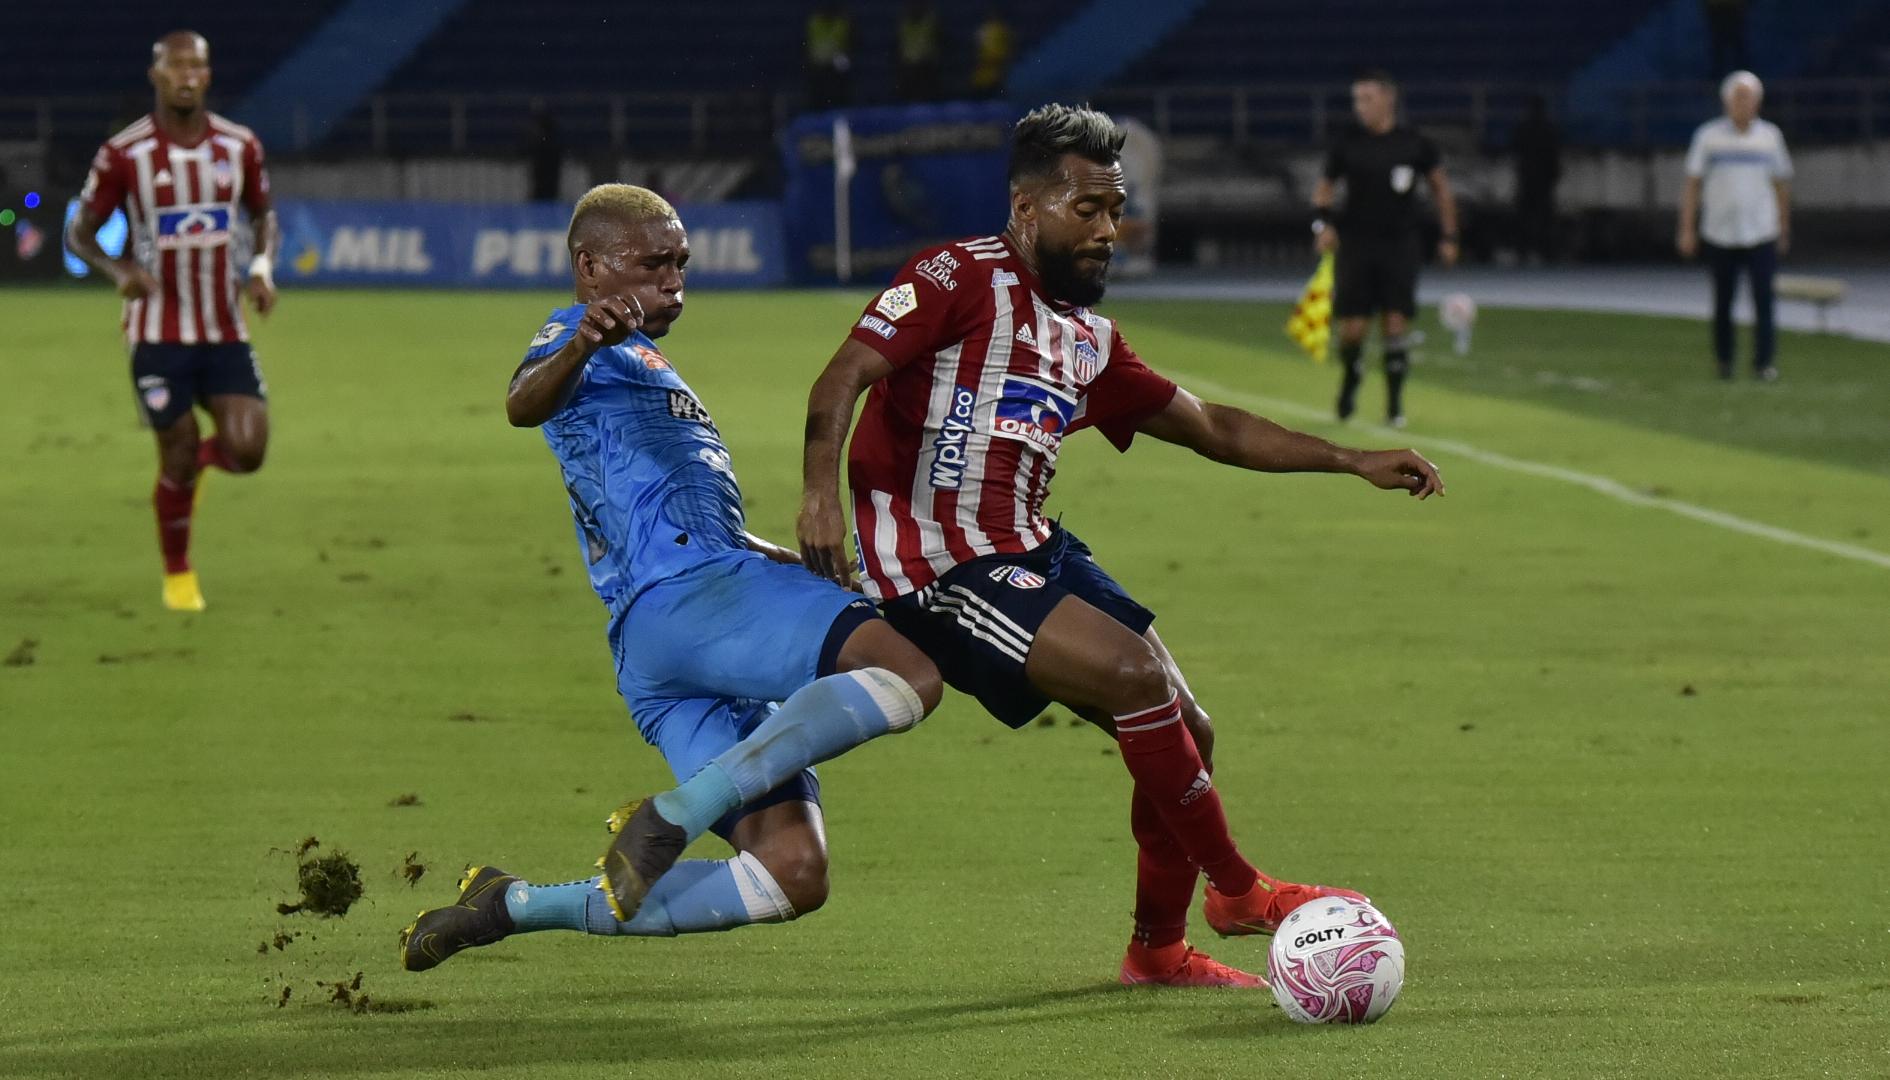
172	503
1161	755
211	452
1164	878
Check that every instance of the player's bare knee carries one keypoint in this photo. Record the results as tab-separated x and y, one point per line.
177	454
1200	726
180	470
877	645
246	456
922	675
1140	678
799	868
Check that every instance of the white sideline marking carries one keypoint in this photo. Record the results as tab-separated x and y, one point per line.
1601	485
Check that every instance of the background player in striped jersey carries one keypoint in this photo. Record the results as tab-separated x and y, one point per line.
181	174
981	358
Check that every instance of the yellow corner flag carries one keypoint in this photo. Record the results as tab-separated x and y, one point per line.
1311	324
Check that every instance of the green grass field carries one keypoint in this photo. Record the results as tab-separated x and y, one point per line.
1618	774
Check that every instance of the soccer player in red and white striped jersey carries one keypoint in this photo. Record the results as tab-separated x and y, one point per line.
981	358
182	174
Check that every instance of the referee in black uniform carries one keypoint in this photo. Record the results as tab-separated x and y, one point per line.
1377	234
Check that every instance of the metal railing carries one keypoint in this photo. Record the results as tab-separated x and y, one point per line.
699	124
743	123
726	123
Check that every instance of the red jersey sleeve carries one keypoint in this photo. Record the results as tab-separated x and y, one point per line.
1125	394
105	184
255	177
924	310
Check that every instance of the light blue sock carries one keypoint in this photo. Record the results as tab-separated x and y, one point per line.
549	907
821	720
696	896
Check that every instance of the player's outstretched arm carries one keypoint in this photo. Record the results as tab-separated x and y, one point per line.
822	526
1234	436
543	386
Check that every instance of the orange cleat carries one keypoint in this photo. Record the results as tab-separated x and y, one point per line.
1181	965
1265	906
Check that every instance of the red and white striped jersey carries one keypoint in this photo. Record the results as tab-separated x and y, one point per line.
181	203
953	454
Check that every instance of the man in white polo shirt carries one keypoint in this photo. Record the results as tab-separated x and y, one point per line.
1737	200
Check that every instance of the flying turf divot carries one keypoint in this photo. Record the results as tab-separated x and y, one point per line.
330	884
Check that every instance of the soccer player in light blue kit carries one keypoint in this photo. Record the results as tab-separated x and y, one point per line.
709	625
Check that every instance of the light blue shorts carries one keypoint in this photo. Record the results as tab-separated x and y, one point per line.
703	656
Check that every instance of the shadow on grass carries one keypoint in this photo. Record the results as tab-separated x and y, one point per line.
315	1042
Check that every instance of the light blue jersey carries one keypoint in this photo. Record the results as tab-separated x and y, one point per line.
706	632
651	487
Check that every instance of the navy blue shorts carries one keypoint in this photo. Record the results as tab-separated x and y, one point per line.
170	378
977	622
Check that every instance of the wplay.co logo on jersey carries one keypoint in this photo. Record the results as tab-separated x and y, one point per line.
948	447
1033	412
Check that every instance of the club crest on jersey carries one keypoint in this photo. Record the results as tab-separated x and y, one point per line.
223	173
652	359
1033	412
1017	577
192	226
948	448
897	301
1086	362
1401	178
548	335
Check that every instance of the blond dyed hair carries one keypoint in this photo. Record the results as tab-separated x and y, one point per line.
626	203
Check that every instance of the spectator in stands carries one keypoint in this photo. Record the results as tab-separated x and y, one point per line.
544	150
1725	35
1537	146
918	78
829	57
996	47
1736	207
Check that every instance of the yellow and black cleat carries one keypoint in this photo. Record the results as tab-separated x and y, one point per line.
646	846
478	917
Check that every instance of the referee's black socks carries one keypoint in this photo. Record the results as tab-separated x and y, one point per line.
1397	363
1351	356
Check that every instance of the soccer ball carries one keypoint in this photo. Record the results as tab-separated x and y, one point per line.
1457	312
1336	961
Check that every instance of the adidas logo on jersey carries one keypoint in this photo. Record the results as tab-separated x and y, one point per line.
1025	337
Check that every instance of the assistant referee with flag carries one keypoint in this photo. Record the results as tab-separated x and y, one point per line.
1376	236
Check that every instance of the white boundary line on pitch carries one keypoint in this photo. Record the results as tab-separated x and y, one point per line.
1601	485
